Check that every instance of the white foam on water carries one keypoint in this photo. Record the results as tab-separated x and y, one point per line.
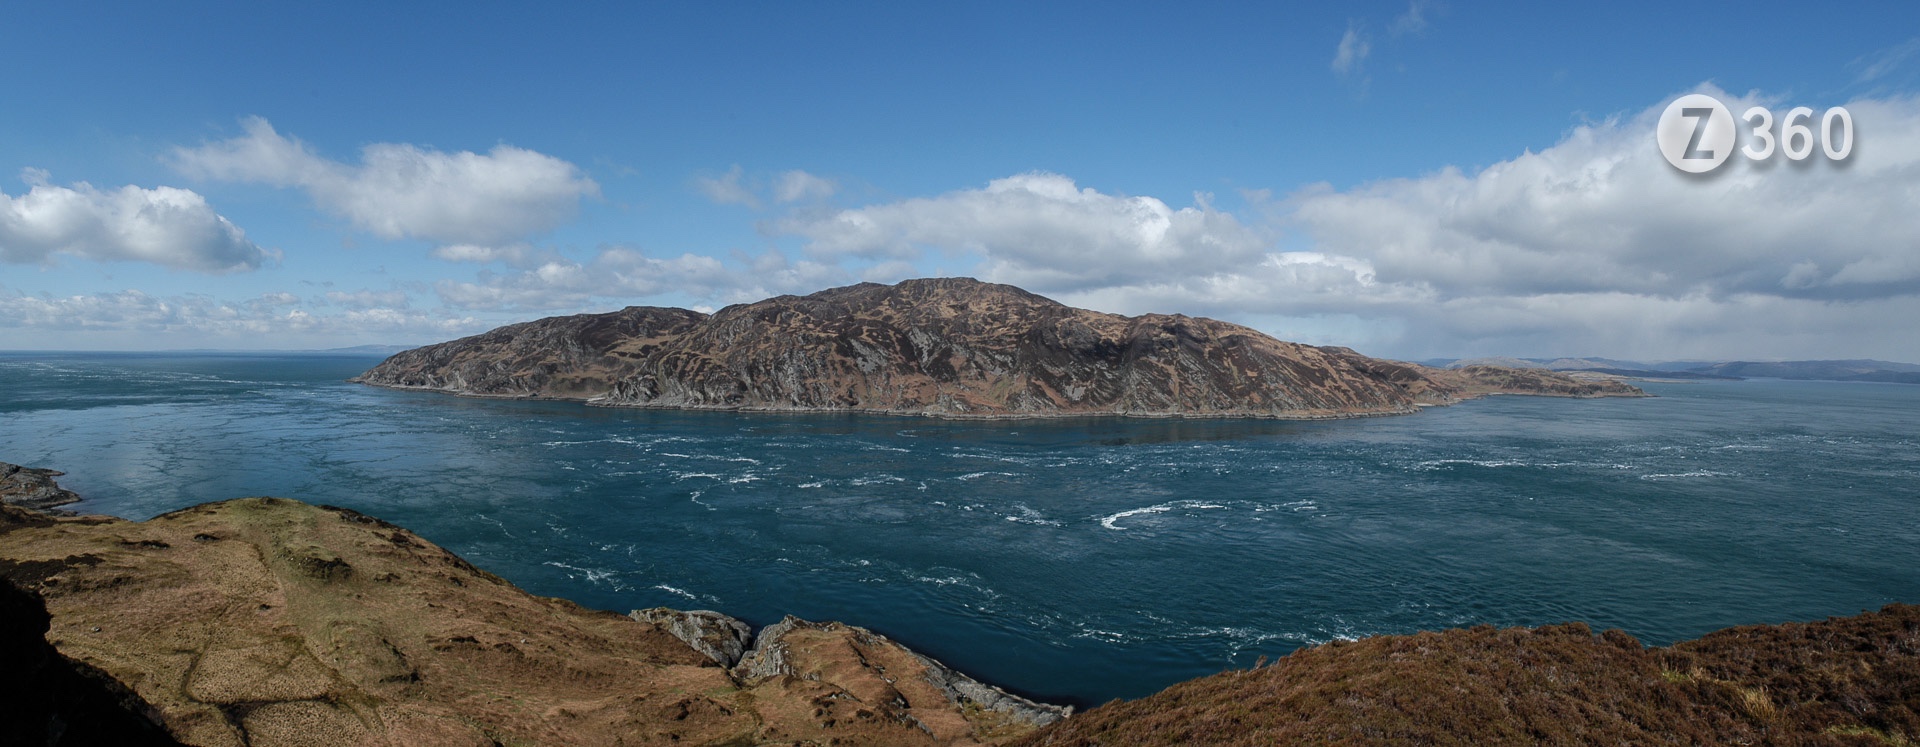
673	590
593	575
1678	475
978	475
1027	515
1109	520
814	484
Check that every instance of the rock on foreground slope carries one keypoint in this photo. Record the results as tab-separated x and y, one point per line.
267	622
954	347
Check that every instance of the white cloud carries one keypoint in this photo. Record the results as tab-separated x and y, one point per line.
1413	21
1592	246
795	186
135	318
735	187
164	225
517	255
727	189
1353	50
362	300
1602	211
1041	230
1880	64
623	275
405	191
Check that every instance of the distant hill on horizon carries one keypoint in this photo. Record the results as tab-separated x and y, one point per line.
1803	370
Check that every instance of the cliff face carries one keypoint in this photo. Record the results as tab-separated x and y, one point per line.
948	346
271	622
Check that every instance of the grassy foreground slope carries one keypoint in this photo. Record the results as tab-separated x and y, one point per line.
265	622
1842	681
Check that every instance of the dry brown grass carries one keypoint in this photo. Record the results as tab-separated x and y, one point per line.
1843	681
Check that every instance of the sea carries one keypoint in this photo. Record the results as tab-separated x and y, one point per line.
1070	560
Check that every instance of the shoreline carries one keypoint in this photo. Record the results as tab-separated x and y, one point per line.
1302	416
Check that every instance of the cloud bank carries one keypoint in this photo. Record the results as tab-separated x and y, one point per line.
280	318
1593	246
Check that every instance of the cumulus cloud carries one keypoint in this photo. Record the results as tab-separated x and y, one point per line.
164	225
405	191
1602	211
136	317
1040	230
1594	245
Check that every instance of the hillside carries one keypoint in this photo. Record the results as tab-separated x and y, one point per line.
266	622
954	347
1842	681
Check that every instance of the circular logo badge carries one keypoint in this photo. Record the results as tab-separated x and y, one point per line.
1696	133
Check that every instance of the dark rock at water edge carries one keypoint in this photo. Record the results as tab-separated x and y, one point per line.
33	488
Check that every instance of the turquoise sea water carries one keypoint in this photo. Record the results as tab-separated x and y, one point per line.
1071	560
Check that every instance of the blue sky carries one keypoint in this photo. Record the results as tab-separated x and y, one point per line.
1412	179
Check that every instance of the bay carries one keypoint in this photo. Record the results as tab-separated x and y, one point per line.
1072	560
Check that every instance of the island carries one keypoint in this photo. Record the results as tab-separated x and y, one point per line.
948	347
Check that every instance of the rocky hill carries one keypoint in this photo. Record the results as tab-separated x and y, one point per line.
954	347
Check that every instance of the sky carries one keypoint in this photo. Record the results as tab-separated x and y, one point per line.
1413	179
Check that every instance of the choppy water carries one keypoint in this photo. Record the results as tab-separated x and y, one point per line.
1073	560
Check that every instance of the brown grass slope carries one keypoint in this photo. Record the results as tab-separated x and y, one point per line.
269	622
1843	681
944	346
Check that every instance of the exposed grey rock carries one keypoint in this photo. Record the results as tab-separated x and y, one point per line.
768	655
722	638
32	488
962	689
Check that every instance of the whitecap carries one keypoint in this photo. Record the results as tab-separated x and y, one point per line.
978	475
1675	475
1160	508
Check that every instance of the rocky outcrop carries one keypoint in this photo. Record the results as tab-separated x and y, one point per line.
32	488
887	676
267	622
953	347
721	638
